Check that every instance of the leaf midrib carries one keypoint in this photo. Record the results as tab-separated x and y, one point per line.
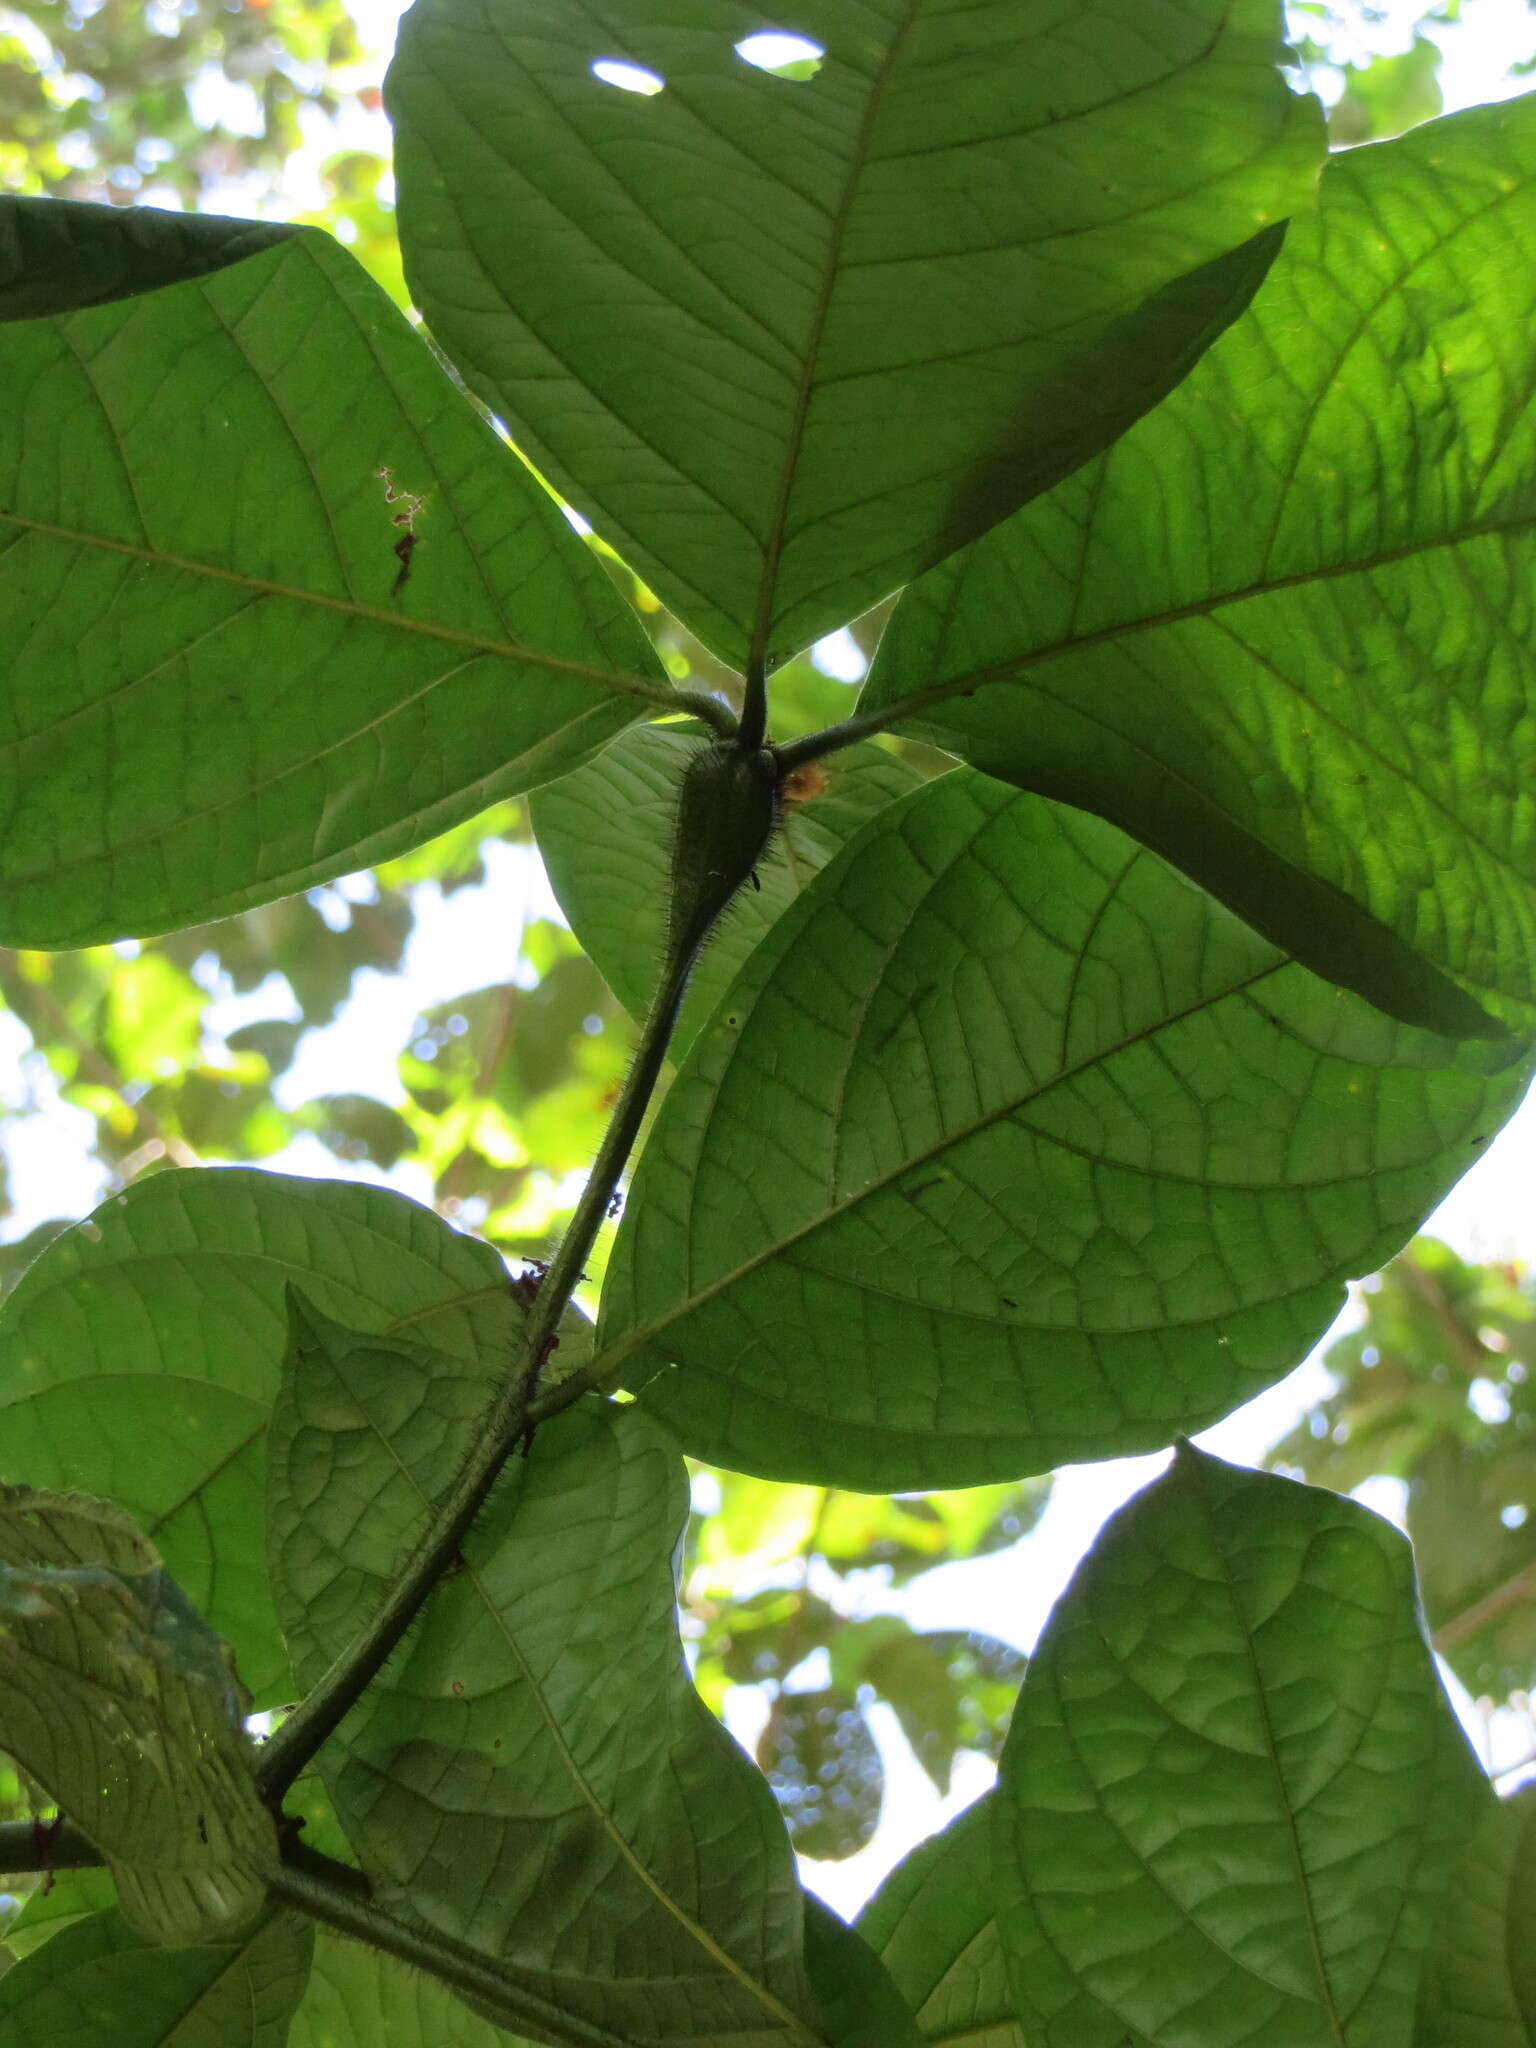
507	650
1303	1878
805	388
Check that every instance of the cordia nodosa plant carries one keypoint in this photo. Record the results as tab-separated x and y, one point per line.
1037	1112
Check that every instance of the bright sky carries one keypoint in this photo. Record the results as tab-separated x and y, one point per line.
1490	1214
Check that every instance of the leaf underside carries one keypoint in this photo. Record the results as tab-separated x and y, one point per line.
1479	1988
541	1719
221	685
1233	1788
1010	1147
1280	631
96	1985
140	1355
605	836
932	1925
118	1698
1007	236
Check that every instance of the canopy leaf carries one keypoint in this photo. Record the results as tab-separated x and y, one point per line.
140	1355
1010	1147
1233	1789
826	329
273	603
541	1715
1279	632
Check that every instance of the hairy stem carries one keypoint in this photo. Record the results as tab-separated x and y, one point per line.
564	1275
719	717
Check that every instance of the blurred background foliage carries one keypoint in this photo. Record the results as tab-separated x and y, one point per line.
237	1041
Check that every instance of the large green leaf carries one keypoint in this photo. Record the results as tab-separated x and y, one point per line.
1011	1147
605	832
118	1698
1279	633
220	683
931	1925
1479	1988
787	343
1233	1789
95	1985
140	1356
535	1773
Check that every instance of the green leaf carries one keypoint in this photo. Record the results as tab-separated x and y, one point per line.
140	1356
65	1896
95	1985
605	833
1233	1789
829	330
359	1998
540	1717
1010	1147
242	692
1479	1988
931	1925
117	1697
58	256
1276	633
859	2005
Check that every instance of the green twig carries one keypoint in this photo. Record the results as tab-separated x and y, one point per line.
719	717
795	753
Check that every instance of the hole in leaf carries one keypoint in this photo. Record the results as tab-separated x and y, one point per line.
627	77
786	56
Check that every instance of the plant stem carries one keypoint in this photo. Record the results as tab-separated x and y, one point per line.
795	753
32	1847
465	1971
719	717
752	732
516	1414
561	1281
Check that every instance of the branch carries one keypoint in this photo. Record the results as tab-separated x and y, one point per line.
36	1847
